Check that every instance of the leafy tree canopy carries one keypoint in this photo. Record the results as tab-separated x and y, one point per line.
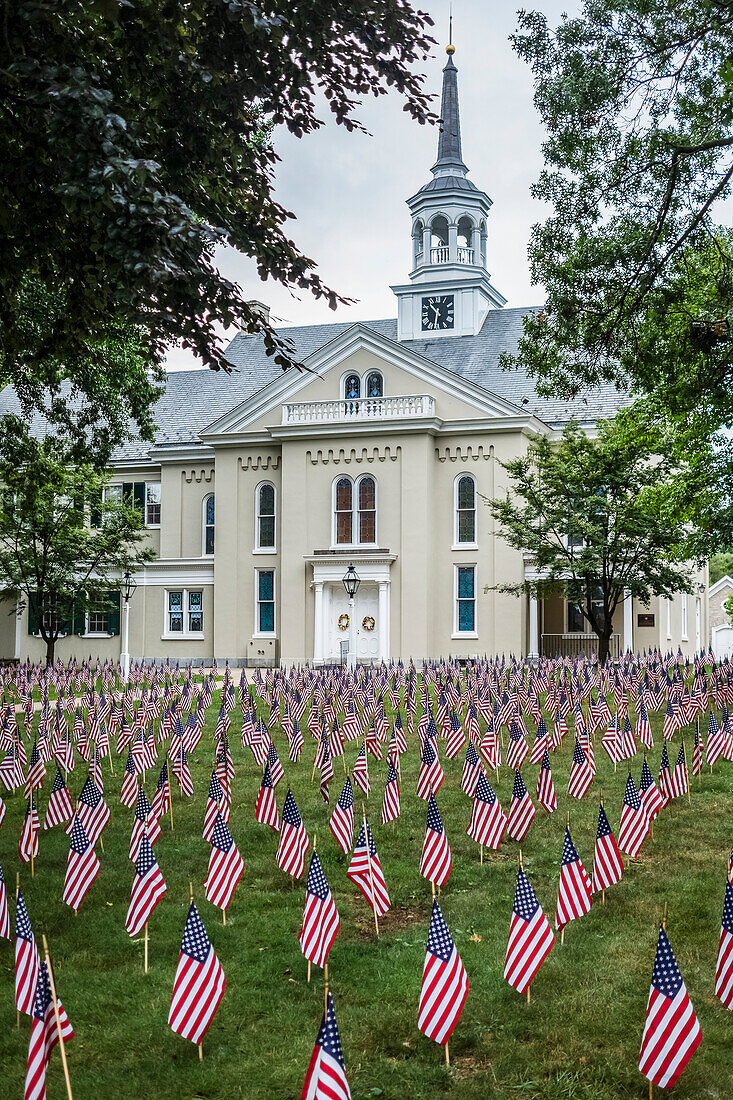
135	139
594	517
637	100
62	546
719	565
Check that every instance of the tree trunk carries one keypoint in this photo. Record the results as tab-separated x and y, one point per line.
50	648
604	646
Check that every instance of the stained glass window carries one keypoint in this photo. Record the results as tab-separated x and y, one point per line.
344	516
209	512
367	510
375	386
175	612
266	517
466	600
352	387
466	510
266	601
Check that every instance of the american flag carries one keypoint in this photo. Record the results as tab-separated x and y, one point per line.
724	967
671	722
607	863
574	891
671	1032
144	820
488	820
651	799
162	796
28	845
44	1035
342	818
643	728
82	867
664	782
148	888
215	803
545	787
634	822
697	752
294	841
320	917
225	866
391	801
326	1077
581	774
92	811
679	782
199	984
128	791
36	772
431	773
456	737
444	982
365	871
266	804
540	742
471	770
273	762
716	740
530	937
4	915
60	808
361	770
27	960
436	859
521	810
517	748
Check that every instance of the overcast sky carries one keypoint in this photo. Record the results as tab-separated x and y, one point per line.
348	191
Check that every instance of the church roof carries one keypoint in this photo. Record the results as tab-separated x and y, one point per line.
194	399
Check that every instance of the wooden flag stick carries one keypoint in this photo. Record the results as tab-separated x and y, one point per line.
146	947
62	1045
170	789
369	865
481	854
527	994
687	773
447	1055
325	989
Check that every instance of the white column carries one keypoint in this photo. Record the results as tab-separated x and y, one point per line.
18	619
351	661
628	621
125	654
318	625
534	626
383	620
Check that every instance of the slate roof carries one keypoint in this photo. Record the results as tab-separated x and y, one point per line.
194	399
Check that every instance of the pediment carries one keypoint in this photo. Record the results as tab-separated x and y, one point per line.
424	377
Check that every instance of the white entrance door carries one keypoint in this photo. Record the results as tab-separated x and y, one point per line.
366	604
722	642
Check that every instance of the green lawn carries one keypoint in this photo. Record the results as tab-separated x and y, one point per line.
579	1036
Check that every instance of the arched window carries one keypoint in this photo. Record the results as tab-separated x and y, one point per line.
439	240
355	512
465	241
352	387
367	510
265	516
417	243
465	490
208	524
344	510
374	384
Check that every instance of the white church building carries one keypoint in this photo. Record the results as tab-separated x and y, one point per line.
263	486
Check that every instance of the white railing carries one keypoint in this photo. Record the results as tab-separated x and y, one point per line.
465	255
439	255
365	408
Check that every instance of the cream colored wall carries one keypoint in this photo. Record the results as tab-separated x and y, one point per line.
8	620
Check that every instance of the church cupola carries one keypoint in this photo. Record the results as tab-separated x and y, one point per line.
449	292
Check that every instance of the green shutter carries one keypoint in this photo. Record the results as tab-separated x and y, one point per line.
95	512
78	620
32	615
67	618
113	615
139	497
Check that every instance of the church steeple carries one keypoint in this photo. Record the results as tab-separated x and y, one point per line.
450	161
449	292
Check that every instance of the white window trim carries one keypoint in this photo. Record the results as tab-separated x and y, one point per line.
176	635
204	525
257	633
355	514
257	548
363	377
685	637
95	633
456	544
149	526
465	633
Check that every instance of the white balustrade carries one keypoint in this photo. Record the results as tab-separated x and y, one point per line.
363	408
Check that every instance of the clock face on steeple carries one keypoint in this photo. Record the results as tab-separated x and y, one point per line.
437	312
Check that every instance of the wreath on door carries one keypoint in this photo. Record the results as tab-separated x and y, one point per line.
343	622
368	622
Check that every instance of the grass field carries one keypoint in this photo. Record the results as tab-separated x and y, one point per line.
578	1038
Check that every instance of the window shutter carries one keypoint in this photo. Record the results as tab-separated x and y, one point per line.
78	620
113	615
32	615
67	613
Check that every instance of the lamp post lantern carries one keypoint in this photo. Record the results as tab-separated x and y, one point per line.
351	582
127	589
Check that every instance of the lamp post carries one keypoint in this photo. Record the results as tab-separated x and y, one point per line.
127	588
351	582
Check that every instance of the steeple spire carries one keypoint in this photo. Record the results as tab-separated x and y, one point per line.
450	161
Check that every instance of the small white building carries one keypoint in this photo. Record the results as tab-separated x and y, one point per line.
721	631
